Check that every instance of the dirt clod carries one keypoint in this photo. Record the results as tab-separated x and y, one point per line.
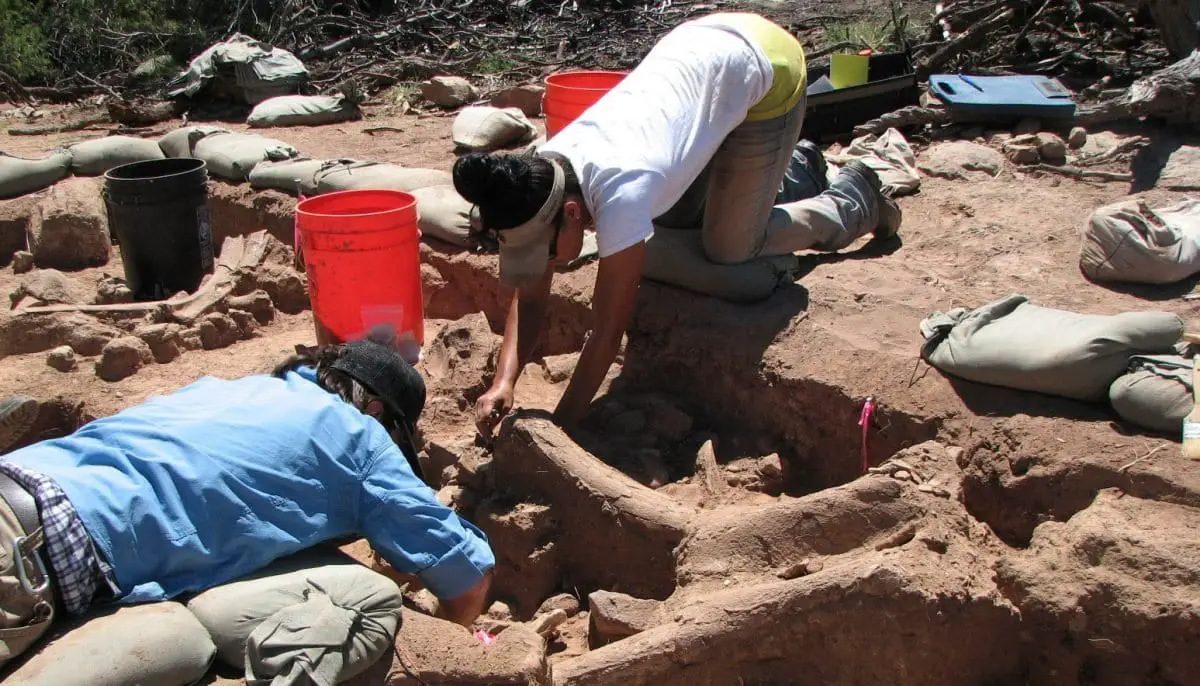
22	262
69	229
563	601
164	340
257	303
45	287
616	615
523	539
218	330
26	333
122	357
111	290
62	358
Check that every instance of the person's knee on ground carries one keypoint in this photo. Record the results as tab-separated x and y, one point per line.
334	619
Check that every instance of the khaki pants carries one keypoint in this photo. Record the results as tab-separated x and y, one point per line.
26	608
739	203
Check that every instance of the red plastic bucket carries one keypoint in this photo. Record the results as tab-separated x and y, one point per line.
362	255
569	94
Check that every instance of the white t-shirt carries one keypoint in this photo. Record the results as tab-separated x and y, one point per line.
639	148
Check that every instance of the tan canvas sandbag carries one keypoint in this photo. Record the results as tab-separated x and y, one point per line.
378	175
155	644
26	614
291	176
232	156
94	157
1016	344
19	176
445	215
181	142
1156	393
483	127
676	257
302	110
316	610
1131	242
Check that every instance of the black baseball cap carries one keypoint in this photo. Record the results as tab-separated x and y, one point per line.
384	371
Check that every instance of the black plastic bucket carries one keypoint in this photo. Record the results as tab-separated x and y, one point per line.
158	214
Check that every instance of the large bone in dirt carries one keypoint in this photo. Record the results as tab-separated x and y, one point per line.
618	534
240	257
438	653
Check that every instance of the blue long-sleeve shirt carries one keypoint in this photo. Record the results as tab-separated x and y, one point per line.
215	481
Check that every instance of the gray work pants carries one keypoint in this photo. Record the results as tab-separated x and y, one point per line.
750	201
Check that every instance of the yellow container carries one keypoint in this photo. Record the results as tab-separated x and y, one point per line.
846	71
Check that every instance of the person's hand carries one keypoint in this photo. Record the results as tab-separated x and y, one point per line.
491	408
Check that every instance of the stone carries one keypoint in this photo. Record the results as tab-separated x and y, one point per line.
1182	168
527	98
122	357
450	496
616	615
218	330
956	159
22	262
111	290
1077	138
246	323
448	91
547	623
164	340
46	286
1051	147
558	368
770	474
522	537
190	339
257	303
1027	125
628	422
62	358
1023	151
69	229
997	138
563	601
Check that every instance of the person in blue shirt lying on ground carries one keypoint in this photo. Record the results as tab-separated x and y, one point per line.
216	481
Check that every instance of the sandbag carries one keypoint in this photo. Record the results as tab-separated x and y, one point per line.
302	110
483	127
157	643
890	156
1156	393
232	156
182	142
1130	242
676	257
94	157
377	175
292	176
316	610
445	215
1016	344
19	176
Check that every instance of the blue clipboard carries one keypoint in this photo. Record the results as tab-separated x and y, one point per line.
1004	96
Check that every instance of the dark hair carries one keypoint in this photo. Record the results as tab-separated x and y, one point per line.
509	188
353	392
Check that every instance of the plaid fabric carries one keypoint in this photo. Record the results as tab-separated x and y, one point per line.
73	559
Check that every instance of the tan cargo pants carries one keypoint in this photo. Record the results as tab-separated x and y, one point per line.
26	596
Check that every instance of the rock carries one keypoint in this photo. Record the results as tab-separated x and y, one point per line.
527	98
14	222
628	422
68	229
27	333
546	624
1077	138
559	368
1022	153
122	357
616	615
1182	168
1027	125
803	568
257	303
997	138
62	358
563	601
47	287
450	496
22	262
277	276
522	537
954	160
190	339
1051	147
770	474
164	340
247	325
111	290
425	601
672	423
218	330
448	91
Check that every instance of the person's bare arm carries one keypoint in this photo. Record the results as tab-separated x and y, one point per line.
526	314
613	302
466	608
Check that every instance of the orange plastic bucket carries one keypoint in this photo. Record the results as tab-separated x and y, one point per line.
362	254
569	94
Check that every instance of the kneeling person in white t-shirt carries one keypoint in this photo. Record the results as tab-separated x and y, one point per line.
699	135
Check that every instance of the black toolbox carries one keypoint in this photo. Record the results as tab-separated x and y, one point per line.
891	84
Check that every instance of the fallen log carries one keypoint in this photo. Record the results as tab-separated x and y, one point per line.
146	113
44	129
1172	93
241	256
620	535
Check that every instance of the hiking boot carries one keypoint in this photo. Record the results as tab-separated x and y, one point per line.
17	415
815	160
886	213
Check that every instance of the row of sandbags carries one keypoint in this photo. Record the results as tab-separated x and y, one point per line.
20	176
1134	360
